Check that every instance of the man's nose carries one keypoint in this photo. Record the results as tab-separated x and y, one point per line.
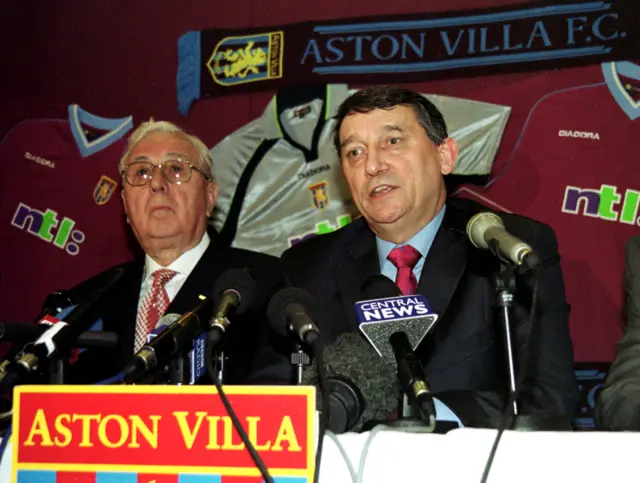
376	162
158	181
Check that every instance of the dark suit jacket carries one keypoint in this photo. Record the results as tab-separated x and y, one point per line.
244	341
619	403
463	355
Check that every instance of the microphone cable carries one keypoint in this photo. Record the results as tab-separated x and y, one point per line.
257	460
508	415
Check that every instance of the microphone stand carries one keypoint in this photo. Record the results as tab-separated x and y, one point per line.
505	284
179	369
57	369
299	359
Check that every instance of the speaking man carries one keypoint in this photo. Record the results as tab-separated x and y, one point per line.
395	152
169	191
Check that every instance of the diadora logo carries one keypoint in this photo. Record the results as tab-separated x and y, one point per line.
39	160
579	134
49	228
606	203
321	229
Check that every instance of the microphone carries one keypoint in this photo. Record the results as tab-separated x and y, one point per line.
233	293
20	332
197	353
400	323
55	303
60	337
169	342
486	230
291	310
362	385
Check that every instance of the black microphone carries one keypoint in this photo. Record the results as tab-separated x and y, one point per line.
60	337
412	379
176	338
185	368
233	294
381	294
486	230
55	303
20	332
362	385
291	310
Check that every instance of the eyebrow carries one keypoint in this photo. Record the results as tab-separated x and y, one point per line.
386	128
146	158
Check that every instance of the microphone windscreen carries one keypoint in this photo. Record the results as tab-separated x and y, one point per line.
239	280
166	320
379	286
352	357
283	299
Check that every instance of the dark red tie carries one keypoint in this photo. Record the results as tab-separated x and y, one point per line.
405	258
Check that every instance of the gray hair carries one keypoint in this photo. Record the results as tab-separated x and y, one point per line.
204	162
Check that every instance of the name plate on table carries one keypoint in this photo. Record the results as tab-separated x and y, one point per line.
161	434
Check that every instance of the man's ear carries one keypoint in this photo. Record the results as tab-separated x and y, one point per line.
212	197
448	155
124	205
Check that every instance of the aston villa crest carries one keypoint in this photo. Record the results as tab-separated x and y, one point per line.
320	194
248	58
103	190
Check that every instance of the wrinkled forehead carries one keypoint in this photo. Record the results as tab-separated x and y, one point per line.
357	126
159	144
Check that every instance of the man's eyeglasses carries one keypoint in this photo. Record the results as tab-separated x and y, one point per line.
176	171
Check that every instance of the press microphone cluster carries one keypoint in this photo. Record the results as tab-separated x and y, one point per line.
486	230
60	338
232	295
170	341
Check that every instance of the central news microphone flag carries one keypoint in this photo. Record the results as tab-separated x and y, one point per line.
408	313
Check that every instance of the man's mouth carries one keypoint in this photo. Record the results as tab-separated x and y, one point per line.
161	208
381	190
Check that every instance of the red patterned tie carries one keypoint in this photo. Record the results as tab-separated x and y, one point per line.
405	258
153	305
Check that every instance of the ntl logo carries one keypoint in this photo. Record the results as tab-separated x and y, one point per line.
42	225
600	203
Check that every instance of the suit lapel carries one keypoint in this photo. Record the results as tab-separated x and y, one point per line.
127	306
445	262
203	275
361	261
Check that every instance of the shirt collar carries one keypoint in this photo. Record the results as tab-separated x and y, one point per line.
421	241
184	264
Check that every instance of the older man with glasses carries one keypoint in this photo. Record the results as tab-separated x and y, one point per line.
169	191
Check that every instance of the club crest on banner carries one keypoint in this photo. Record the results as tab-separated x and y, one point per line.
249	58
320	194
104	190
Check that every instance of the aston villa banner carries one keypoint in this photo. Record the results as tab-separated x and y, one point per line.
409	48
161	434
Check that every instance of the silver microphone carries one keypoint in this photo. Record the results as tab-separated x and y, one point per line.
486	230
